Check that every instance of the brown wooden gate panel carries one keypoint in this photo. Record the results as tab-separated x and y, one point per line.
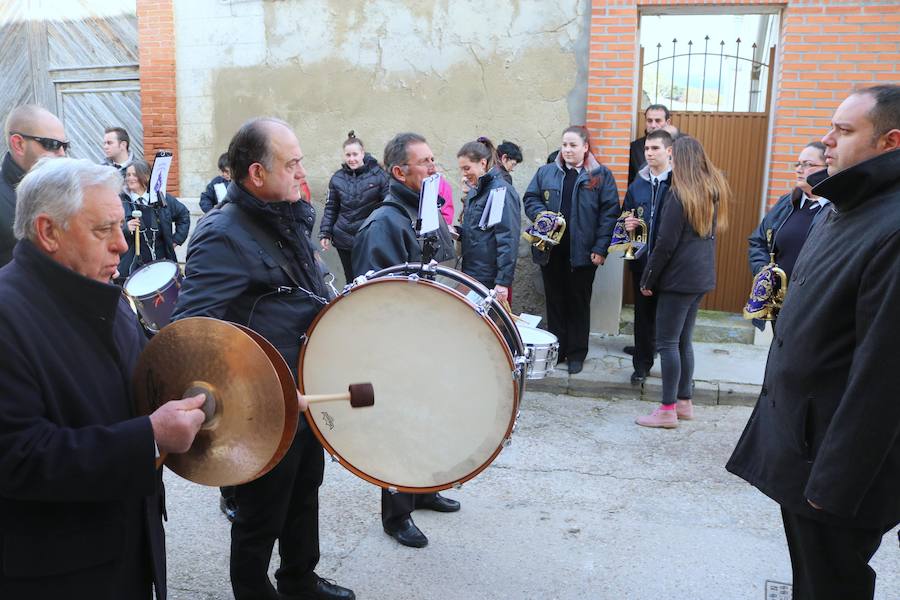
736	143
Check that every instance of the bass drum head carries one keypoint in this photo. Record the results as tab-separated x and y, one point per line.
445	394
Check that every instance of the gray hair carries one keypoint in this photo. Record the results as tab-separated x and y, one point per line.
55	187
395	152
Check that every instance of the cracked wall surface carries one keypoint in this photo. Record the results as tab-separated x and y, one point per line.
452	71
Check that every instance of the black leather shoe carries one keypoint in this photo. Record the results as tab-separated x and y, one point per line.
638	377
325	589
228	507
408	534
575	366
628	350
441	504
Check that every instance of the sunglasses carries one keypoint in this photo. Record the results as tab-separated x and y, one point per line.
48	144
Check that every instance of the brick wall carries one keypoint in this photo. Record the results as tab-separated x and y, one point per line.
156	51
827	47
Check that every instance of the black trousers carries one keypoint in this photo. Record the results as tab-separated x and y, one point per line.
283	504
830	562
346	263
396	507
568	293
644	326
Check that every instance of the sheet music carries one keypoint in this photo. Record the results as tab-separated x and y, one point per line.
428	204
160	173
220	191
530	320
493	209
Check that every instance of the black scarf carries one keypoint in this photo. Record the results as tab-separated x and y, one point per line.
284	222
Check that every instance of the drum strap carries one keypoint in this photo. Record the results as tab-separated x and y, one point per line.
264	238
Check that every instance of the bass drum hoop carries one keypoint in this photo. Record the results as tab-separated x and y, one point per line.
380	279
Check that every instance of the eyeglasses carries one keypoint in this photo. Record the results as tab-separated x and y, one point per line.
422	163
48	144
806	164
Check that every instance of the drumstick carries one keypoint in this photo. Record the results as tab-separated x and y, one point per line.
359	395
136	214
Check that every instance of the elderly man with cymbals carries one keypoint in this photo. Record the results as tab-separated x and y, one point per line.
80	496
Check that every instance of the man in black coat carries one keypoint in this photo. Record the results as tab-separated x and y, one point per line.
251	262
824	438
656	116
80	497
31	133
388	238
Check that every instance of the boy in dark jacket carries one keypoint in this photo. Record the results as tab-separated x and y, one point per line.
645	197
212	195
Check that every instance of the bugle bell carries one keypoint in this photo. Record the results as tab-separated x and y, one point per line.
546	231
768	290
629	241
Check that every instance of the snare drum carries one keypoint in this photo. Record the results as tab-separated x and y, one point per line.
153	290
447	378
542	349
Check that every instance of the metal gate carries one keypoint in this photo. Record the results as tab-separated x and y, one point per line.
735	141
77	63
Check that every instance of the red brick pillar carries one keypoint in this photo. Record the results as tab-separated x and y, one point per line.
828	48
611	84
156	52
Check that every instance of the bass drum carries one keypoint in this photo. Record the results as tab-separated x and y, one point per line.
447	379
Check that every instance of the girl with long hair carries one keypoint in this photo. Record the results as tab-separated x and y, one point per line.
489	249
681	270
584	192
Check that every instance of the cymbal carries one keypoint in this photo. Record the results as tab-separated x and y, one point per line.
289	389
248	427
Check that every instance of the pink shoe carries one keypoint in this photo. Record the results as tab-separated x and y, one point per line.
667	419
685	410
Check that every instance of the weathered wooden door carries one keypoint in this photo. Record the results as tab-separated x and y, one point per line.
76	61
734	141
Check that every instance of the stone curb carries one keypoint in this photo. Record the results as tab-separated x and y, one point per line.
617	384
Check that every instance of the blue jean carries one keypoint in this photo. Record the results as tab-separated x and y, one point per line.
675	317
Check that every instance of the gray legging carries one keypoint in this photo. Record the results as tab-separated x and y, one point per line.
675	317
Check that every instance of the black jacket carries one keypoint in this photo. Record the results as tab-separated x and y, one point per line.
681	261
636	158
758	246
229	275
173	220
489	255
208	198
80	497
639	195
388	236
10	176
352	196
595	209
826	426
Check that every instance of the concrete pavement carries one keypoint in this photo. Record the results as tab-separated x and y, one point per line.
583	504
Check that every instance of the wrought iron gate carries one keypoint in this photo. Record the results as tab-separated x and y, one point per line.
729	114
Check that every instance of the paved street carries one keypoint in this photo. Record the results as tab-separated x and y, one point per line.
583	504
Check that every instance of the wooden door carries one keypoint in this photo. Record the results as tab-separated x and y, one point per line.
84	69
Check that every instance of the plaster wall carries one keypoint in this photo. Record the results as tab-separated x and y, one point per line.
451	70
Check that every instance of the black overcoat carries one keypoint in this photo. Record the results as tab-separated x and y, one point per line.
826	426
80	497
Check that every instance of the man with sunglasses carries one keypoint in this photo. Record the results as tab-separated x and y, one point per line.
31	134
